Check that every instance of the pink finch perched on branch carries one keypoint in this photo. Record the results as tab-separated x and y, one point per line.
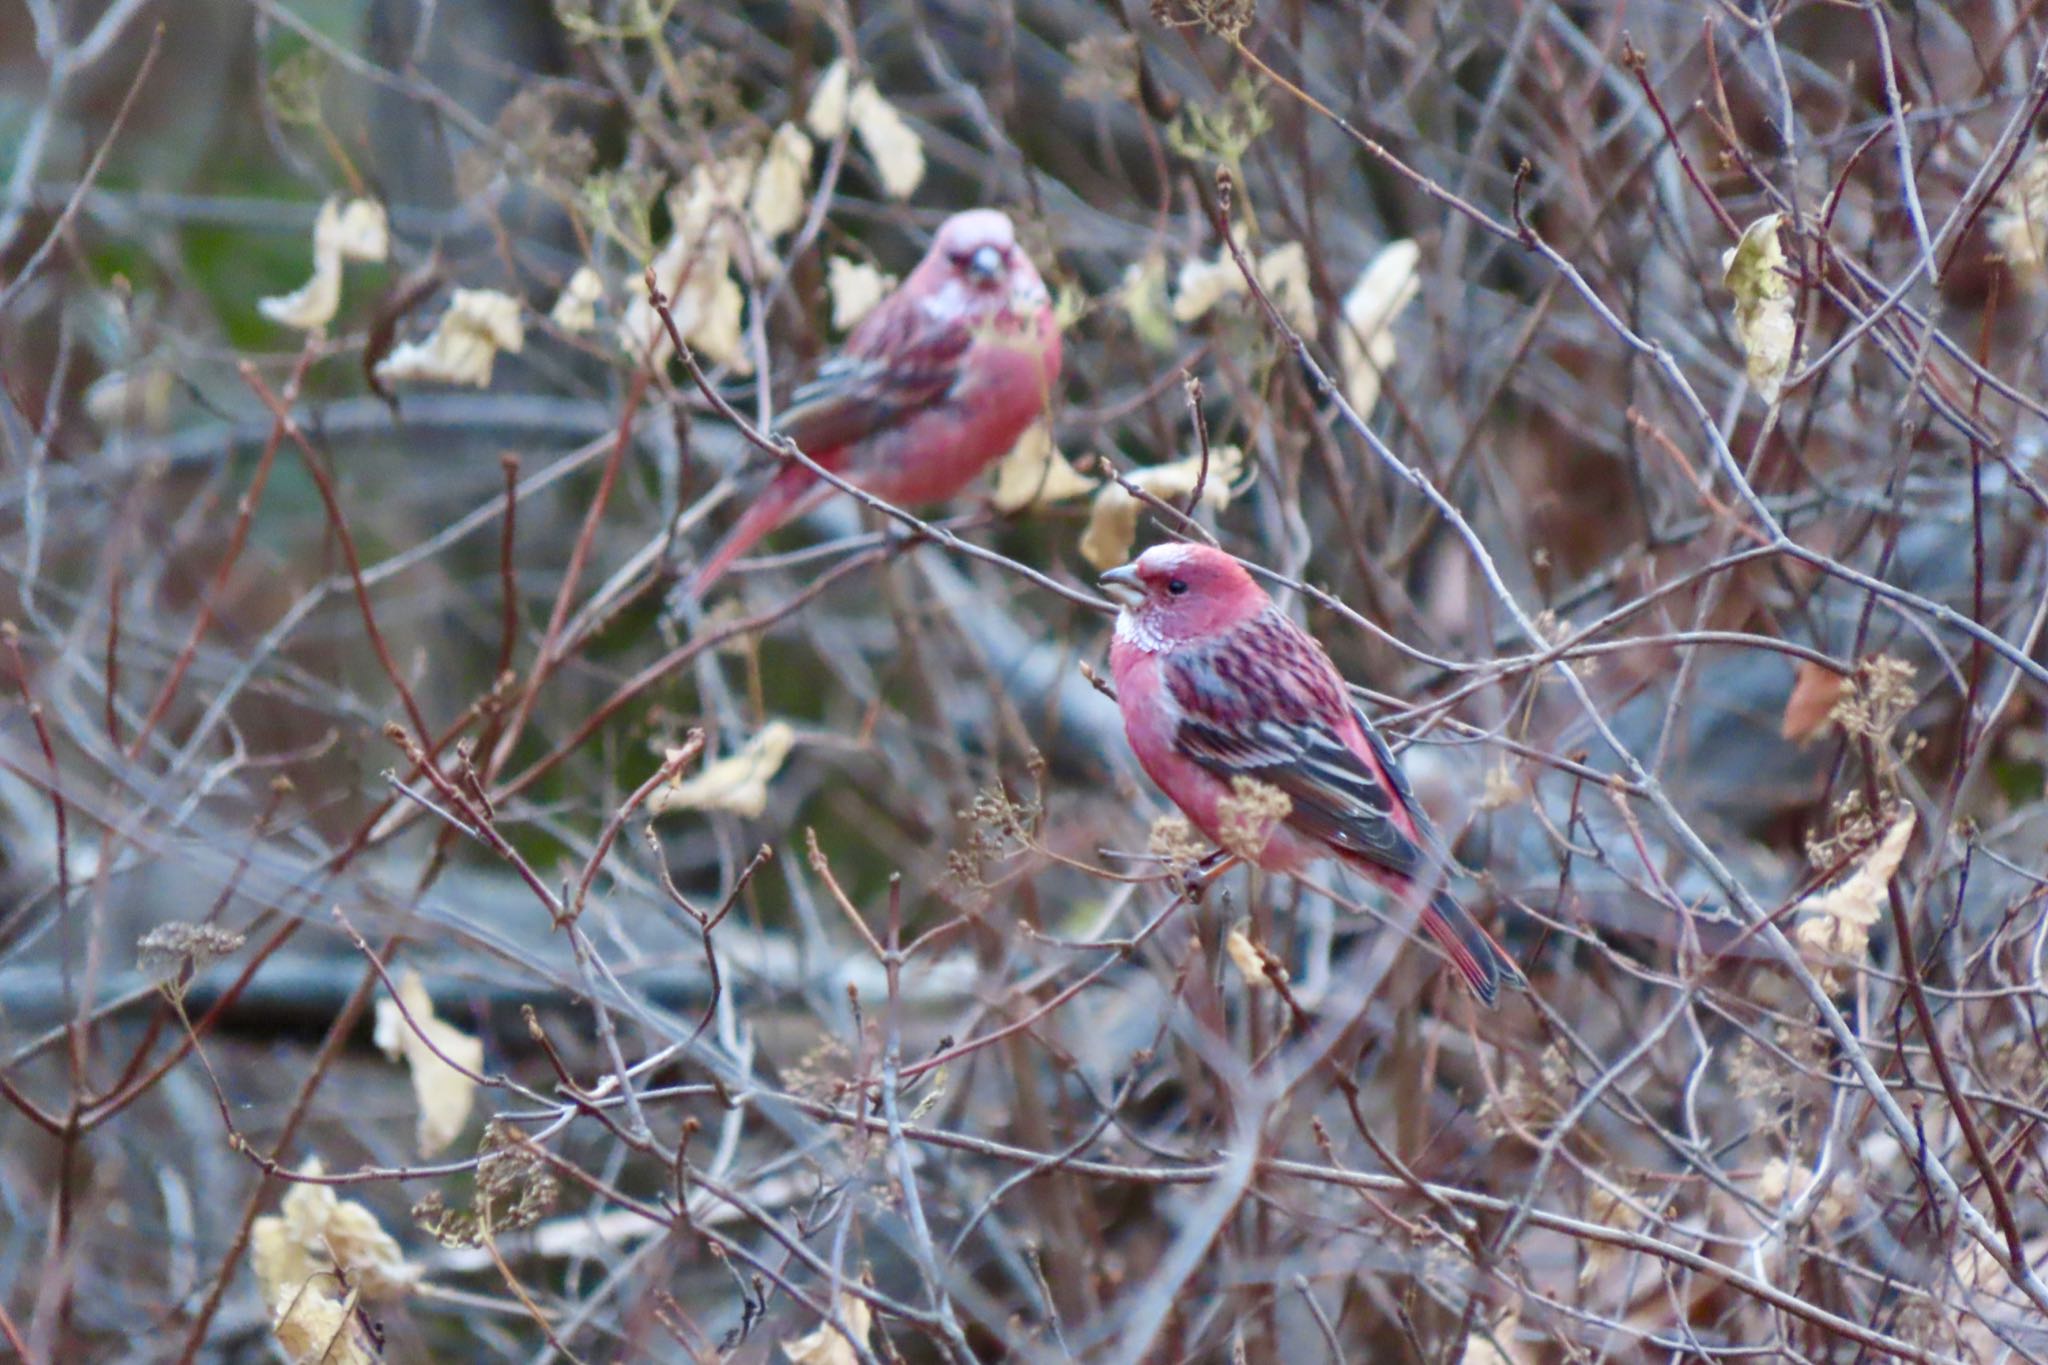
932	386
1216	685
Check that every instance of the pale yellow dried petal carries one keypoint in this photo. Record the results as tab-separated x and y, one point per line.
738	783
441	1057
1142	295
828	1345
463	347
1202	285
897	150
1283	274
136	400
1858	898
779	198
315	1328
1753	270
1245	957
1035	473
1365	340
856	287
1113	517
826	116
311	306
358	230
575	307
2020	227
721	336
280	1261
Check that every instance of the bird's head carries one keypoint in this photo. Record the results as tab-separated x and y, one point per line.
975	268
1175	593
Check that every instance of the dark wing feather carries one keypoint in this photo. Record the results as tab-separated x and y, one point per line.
1266	703
898	362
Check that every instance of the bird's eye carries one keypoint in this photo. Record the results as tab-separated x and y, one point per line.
1176	586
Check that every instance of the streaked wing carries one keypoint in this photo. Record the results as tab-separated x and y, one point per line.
898	362
1266	703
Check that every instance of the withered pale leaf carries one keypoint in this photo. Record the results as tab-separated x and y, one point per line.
315	1328
575	307
2020	227
895	147
738	783
361	231
779	199
136	400
1835	923
691	268
856	287
1245	957
1142	294
1365	338
1113	516
463	347
444	1092
828	1345
1202	284
314	1232
1815	690
1753	270
1283	274
1035	473
358	230
826	116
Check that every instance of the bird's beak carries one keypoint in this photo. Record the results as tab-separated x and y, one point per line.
985	266
1123	585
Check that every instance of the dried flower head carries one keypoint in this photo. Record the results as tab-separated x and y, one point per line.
1250	814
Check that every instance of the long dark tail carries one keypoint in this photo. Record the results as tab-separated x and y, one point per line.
773	507
1483	963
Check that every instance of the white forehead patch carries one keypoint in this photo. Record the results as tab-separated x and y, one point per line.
977	228
1166	558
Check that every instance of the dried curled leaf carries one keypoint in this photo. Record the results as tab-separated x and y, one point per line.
1480	1350
1815	690
1244	955
828	1345
359	231
463	347
856	287
738	783
691	270
1282	272
778	201
2020	227
897	150
441	1057
1035	474
826	116
317	1233
1365	340
1113	517
1201	285
132	400
1835	923
1753	269
315	1328
575	307
1142	295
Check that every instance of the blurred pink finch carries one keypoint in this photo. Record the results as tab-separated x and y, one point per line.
1215	684
933	386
